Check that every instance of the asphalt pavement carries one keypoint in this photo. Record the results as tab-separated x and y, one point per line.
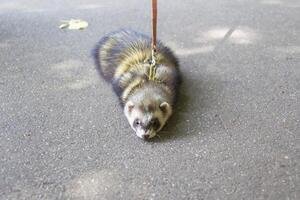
235	133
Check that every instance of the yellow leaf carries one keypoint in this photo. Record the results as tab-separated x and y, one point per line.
74	24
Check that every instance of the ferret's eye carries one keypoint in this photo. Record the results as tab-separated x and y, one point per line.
155	124
136	122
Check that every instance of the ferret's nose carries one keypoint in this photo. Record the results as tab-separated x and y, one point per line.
146	136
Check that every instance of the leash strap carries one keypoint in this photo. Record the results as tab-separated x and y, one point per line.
154	23
152	68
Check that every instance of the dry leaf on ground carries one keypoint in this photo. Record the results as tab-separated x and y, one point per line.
73	24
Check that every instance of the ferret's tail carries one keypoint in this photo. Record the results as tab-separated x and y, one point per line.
99	54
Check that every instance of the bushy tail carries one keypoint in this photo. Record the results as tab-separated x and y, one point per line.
97	59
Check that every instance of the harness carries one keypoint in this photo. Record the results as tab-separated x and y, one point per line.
152	61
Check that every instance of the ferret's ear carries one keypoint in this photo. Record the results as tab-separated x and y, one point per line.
129	106
165	108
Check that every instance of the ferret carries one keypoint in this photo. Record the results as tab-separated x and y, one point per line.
122	58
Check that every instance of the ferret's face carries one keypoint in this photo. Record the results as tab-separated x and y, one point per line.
147	119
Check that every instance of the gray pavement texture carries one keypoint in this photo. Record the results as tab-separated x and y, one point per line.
234	135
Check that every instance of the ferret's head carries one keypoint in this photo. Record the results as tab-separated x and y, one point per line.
147	117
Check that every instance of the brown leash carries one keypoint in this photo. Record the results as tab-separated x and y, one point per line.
153	44
154	23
